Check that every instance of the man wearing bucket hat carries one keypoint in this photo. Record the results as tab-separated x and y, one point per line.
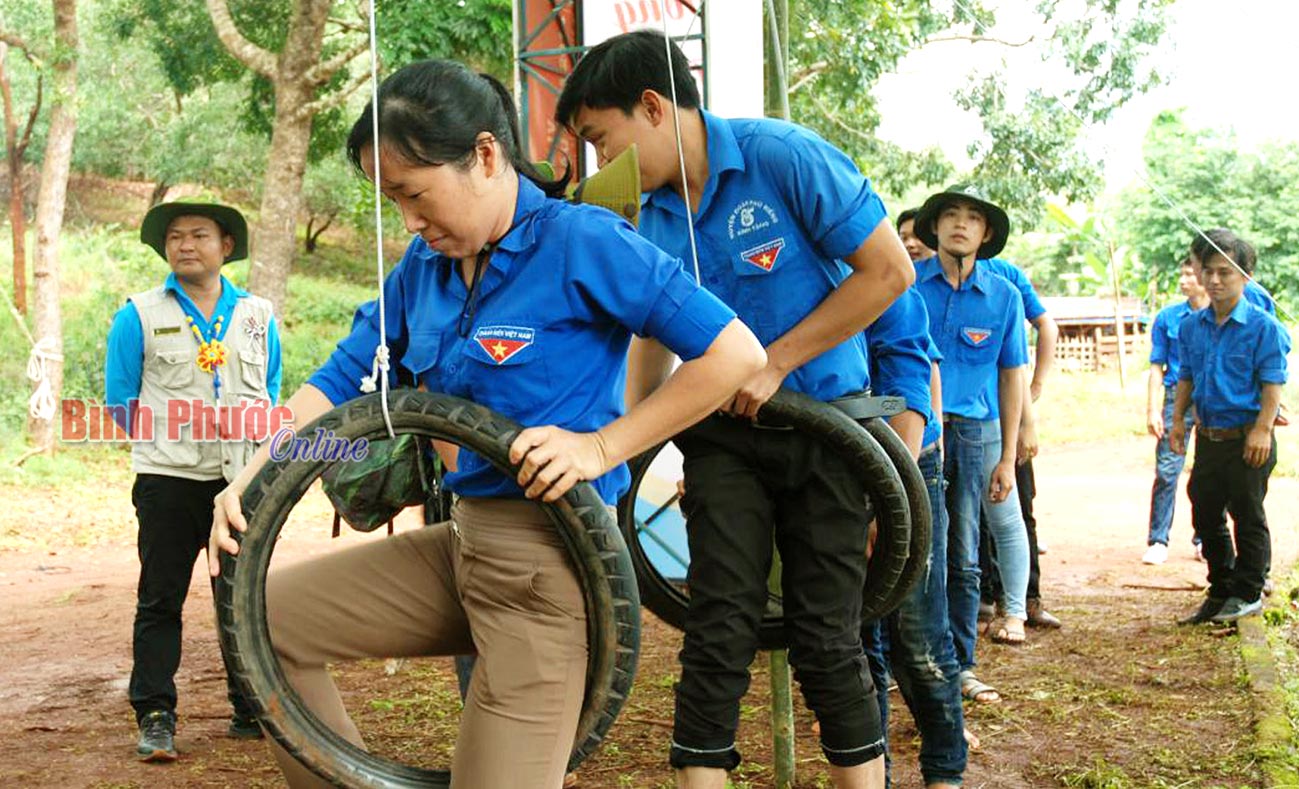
178	355
977	321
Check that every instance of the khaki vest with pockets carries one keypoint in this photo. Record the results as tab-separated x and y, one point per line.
170	374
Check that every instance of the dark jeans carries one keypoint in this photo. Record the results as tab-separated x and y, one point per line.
1221	482
921	654
989	573
175	518
1168	470
746	486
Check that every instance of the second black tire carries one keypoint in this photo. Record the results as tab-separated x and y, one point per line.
885	486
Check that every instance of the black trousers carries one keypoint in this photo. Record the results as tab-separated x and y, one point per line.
990	576
746	487
175	517
1221	483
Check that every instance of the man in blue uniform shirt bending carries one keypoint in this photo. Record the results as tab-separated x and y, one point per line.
1233	365
792	237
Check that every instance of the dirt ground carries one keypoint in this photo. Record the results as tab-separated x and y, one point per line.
1118	698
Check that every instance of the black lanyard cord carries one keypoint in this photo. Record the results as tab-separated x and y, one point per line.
471	299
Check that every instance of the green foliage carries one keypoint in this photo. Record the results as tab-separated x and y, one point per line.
1031	149
844	50
1205	174
476	32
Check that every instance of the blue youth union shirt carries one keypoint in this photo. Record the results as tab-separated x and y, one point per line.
1164	348
1033	306
1228	364
979	329
898	347
779	212
934	427
547	341
1255	294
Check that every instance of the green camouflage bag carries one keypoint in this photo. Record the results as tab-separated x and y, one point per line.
367	493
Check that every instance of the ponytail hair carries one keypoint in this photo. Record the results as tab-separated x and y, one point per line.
431	113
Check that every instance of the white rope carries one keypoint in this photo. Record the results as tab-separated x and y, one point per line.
41	404
681	156
379	367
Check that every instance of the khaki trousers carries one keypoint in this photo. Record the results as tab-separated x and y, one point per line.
495	580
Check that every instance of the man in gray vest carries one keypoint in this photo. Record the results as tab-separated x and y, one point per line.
188	365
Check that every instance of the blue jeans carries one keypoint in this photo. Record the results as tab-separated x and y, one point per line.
973	449
1168	470
920	651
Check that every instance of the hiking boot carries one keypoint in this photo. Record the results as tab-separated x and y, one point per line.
1207	610
1038	616
244	727
157	737
1235	608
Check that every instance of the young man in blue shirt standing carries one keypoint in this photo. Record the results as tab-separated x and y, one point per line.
1233	365
792	237
1164	369
977	320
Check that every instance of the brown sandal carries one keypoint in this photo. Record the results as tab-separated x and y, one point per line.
1010	630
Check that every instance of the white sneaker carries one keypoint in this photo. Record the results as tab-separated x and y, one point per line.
1155	554
1199	552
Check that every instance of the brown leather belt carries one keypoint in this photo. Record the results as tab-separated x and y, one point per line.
1220	433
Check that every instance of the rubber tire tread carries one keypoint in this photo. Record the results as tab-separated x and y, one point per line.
857	445
922	519
595	544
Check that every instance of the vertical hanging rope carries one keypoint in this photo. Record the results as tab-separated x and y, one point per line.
681	157
379	367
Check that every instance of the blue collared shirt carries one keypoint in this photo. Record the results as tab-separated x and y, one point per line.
1033	306
1228	364
780	210
546	343
1164	348
124	359
980	331
934	427
1259	297
898	345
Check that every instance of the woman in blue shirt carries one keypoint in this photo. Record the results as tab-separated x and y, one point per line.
526	305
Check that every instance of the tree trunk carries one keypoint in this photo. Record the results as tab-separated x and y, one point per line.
159	193
14	159
276	232
314	230
49	211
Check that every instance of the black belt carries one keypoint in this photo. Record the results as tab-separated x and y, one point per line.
1221	433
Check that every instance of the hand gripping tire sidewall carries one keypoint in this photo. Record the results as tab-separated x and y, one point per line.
594	543
890	563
